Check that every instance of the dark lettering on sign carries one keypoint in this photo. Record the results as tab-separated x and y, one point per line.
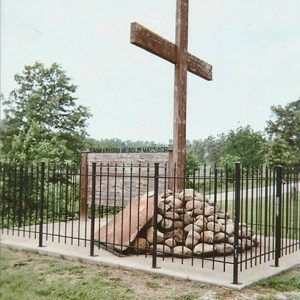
132	150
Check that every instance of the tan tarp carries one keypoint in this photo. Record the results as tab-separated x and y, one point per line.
124	227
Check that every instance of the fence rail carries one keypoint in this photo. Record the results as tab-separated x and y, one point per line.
234	218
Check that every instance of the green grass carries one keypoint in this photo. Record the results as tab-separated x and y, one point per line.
27	278
27	275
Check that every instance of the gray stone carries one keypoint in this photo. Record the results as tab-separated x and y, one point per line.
162	208
160	236
229	229
192	239
182	251
172	215
176	203
209	210
192	227
162	250
207	237
213	227
187	219
171	243
178	224
220	237
159	218
197	212
166	224
203	249
190	205
224	248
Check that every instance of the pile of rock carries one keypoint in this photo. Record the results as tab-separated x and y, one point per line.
190	224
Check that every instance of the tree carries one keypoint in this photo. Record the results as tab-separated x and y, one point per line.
284	134
214	148
42	119
245	145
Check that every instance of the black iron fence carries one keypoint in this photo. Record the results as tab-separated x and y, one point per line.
223	218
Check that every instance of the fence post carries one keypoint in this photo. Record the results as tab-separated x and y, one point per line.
278	214
236	221
42	195
84	187
154	246
92	243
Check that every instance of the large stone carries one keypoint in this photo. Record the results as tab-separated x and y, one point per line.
229	229
203	249
170	199
162	207
178	224
191	205
162	250
185	193
199	196
166	194
230	240
187	197
182	251
180	211
192	227
172	215
159	218
207	237
212	218
220	237
255	241
126	225
178	235
245	232
197	212
245	244
166	224
176	203
160	236
201	218
224	248
187	218
140	245
213	227
200	224
171	243
209	210
192	239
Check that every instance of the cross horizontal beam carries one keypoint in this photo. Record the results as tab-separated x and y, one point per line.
144	38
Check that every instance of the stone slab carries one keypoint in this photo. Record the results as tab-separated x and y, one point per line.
122	229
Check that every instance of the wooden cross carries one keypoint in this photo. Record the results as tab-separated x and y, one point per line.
178	55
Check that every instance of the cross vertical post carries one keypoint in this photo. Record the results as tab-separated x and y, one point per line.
184	61
180	88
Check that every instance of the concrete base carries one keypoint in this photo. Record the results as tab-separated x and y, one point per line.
178	268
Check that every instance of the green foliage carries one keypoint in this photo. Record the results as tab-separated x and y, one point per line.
208	150
192	163
42	119
284	133
244	145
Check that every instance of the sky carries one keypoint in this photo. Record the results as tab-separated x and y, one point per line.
253	45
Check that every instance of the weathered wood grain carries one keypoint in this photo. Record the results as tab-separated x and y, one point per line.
152	42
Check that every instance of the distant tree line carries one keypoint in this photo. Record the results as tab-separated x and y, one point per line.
42	121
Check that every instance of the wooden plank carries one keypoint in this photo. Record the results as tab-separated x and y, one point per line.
150	41
84	186
122	229
180	88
